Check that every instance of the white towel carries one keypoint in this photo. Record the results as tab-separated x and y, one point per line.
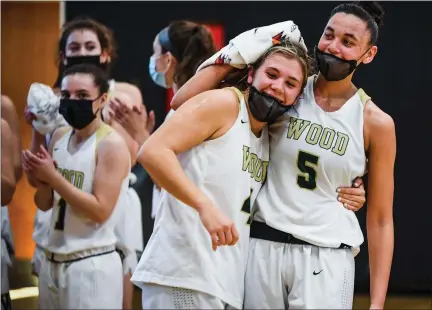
248	46
44	104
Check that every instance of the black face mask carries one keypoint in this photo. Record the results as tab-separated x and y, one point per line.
265	108
94	60
334	68
77	112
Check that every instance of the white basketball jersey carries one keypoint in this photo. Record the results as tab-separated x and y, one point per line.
128	228
71	231
41	228
157	194
179	253
314	152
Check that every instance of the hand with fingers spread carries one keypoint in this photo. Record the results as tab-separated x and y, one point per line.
134	120
353	198
221	229
40	165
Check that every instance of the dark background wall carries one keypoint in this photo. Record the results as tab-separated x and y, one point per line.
398	81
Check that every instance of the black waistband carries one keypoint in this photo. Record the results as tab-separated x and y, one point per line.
51	257
260	230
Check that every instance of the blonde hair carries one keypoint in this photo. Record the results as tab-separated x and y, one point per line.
288	49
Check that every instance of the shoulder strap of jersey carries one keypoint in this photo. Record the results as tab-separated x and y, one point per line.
102	132
62	132
111	89
364	98
238	93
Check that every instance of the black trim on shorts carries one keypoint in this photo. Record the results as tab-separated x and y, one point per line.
52	260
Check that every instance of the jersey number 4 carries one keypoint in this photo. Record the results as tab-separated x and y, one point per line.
307	164
59	225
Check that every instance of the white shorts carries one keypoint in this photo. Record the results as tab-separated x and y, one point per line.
130	262
282	276
128	229
82	282
7	249
155	296
4	276
37	259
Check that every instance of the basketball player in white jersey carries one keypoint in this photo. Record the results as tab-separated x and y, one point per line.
84	40
84	182
170	69
211	158
303	241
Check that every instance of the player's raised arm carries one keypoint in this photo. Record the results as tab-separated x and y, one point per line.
206	79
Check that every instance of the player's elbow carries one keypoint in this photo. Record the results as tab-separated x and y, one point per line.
379	216
180	97
175	102
149	154
103	214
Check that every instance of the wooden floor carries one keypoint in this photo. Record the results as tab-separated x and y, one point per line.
360	302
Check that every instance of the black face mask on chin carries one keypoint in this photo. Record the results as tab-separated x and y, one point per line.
334	68
265	108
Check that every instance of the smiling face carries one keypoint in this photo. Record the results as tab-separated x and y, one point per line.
279	76
346	36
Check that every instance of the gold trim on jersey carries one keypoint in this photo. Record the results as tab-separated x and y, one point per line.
64	130
102	132
238	93
363	97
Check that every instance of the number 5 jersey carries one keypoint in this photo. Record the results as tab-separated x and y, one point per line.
313	152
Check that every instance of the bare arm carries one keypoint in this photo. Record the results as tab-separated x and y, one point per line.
43	198
10	114
111	169
206	79
206	116
8	180
379	220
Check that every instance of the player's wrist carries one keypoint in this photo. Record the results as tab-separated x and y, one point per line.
202	204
